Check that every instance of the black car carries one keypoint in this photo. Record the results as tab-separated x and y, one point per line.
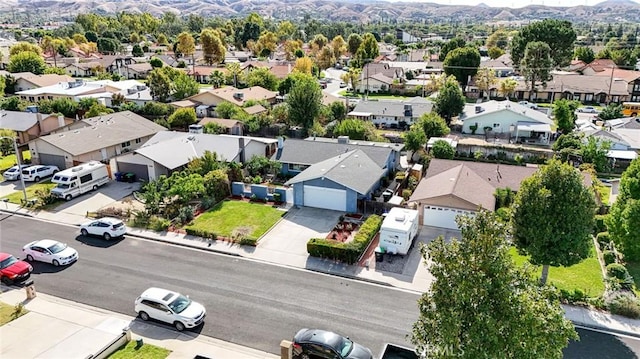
321	344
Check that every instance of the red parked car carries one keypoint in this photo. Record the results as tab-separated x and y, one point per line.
13	270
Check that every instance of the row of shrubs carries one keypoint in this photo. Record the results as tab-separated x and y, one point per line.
346	252
207	234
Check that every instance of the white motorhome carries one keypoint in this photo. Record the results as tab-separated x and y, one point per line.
77	180
399	228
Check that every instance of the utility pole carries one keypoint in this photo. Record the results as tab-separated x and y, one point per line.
610	83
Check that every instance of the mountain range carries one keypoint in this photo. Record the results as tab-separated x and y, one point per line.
361	11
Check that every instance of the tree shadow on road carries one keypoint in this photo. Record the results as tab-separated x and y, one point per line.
602	346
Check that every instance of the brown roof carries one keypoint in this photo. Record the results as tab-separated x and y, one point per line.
281	71
141	67
601	64
251	93
574	83
227	123
205	70
47	79
627	75
184	104
255	109
470	182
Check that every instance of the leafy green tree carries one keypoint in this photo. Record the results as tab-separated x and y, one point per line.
98	109
261	165
368	50
559	35
612	111
26	61
623	221
54	70
185	186
482	305
155	63
66	106
536	65
212	47
23	46
433	125
584	54
462	63
107	45
595	152
137	51
263	77
450	101
2	86
414	139
13	103
355	129
442	149
485	79
495	52
304	100
183	85
182	118
570	140
338	110
353	43
553	217
498	39
226	109
159	84
564	112
186	45
208	162
455	43
217	79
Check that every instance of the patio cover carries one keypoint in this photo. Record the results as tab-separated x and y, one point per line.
622	155
534	126
359	114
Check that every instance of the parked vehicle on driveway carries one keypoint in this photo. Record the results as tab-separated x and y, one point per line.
13	173
77	180
38	172
317	343
50	251
105	227
587	109
13	270
169	307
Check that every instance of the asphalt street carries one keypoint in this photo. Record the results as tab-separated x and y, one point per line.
248	302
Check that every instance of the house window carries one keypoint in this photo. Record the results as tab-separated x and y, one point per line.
126	144
496	125
588	97
576	97
615	99
636	87
138	140
297	167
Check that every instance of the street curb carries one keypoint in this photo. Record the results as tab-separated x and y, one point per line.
208	249
606	329
17	213
353	277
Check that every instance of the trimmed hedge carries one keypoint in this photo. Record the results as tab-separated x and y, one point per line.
609	257
618	271
604	239
201	233
346	252
599	225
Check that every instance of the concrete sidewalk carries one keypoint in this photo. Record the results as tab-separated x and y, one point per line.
58	328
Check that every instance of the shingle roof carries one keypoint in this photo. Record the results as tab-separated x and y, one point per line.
47	79
309	152
18	121
474	182
493	106
393	108
353	169
574	83
103	131
255	109
220	121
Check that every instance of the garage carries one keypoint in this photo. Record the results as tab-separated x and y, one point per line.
52	160
443	217
140	170
327	198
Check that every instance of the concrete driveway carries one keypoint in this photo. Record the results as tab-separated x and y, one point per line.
289	237
8	187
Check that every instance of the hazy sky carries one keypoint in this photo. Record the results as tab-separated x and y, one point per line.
512	3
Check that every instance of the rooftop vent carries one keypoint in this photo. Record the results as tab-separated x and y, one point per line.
238	96
343	139
195	128
479	109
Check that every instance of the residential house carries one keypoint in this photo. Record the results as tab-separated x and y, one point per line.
138	70
76	89
406	37
337	183
506	118
93	139
451	188
502	66
28	125
632	78
27	80
377	77
256	109
207	100
391	114
132	90
170	151
83	69
203	73
233	127
572	86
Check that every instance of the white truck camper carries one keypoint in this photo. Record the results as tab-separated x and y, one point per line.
77	180
399	228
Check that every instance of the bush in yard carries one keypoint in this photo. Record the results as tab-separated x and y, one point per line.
616	270
159	224
599	224
576	297
623	303
603	239
201	233
609	257
185	214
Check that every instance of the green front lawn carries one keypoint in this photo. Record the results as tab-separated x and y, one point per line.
229	215
585	275
7	313
18	196
9	161
146	351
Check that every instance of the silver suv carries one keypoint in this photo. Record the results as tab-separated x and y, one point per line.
170	307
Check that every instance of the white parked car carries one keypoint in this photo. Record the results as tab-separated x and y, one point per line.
169	307
38	172
13	173
587	109
50	251
105	227
528	104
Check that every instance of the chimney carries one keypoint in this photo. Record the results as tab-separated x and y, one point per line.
479	109
408	110
343	140
280	142
60	121
195	128
241	148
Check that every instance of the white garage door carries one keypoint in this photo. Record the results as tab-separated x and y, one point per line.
442	217
327	198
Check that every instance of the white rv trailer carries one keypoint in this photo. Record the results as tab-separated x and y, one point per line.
80	179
